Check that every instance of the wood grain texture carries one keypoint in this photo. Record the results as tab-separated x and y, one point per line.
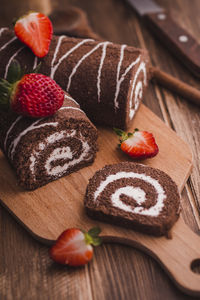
121	271
176	86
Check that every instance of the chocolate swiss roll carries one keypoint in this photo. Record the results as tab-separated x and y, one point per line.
134	196
42	150
107	80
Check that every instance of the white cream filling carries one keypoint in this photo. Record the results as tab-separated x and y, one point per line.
138	89
136	193
64	152
50	139
139	197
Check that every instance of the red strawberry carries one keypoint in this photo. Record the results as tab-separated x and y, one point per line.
35	30
34	95
73	247
139	144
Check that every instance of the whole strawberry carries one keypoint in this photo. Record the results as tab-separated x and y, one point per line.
74	247
33	95
137	144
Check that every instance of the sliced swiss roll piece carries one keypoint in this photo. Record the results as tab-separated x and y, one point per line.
45	149
134	196
107	80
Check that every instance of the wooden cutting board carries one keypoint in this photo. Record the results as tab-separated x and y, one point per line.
46	212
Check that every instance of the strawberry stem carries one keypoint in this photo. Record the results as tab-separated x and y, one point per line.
92	236
124	136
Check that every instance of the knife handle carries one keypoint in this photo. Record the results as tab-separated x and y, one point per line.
175	85
176	39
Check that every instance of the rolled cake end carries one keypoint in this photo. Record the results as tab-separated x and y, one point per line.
134	196
46	149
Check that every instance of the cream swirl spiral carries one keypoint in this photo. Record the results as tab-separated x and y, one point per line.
135	196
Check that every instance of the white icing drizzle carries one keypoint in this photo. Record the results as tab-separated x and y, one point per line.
80	61
118	72
100	68
55	55
2	30
72	99
138	89
136	193
71	107
35	62
9	130
55	67
10	60
8	43
120	80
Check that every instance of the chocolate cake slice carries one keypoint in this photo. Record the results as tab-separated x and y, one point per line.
42	150
107	80
135	196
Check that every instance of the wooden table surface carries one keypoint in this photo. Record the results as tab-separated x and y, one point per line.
117	271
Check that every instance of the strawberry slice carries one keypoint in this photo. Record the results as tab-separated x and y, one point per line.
138	145
35	30
73	246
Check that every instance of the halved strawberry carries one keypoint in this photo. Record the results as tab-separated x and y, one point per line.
139	144
73	246
35	30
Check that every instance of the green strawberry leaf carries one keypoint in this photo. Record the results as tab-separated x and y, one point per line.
96	241
95	231
14	72
130	134
118	131
92	238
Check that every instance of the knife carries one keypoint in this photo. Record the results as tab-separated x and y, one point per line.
175	38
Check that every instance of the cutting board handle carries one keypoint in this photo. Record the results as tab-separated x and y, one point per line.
175	255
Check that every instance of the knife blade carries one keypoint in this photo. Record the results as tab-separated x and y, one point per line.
173	36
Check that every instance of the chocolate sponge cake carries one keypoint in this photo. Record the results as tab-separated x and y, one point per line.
42	150
107	80
135	196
